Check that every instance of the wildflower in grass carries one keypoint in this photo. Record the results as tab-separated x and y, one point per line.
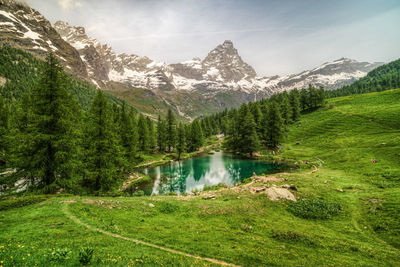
29	255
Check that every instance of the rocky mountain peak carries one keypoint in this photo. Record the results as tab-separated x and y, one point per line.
224	64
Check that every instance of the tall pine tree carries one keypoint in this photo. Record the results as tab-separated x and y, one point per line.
248	138
152	135
274	128
50	147
143	134
102	155
181	140
171	130
294	100
161	135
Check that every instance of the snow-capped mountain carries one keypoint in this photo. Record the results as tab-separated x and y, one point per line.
192	88
222	69
25	28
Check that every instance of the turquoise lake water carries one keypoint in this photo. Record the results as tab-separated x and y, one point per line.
193	174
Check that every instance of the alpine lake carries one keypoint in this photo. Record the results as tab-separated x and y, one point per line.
194	174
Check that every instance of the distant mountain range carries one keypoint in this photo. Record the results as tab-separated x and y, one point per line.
191	88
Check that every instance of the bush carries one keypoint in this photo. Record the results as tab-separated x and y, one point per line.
166	207
314	209
17	202
85	255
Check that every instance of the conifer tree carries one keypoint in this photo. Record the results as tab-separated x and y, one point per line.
274	129
196	136
103	163
143	134
257	115
294	99
232	140
181	140
248	142
171	130
128	134
50	144
152	135
285	108
304	99
161	134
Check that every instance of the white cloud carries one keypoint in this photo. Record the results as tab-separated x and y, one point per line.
69	4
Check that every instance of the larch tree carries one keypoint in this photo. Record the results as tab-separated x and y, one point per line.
181	140
274	128
143	134
102	153
50	143
171	130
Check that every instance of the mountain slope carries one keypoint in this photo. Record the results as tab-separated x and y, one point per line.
19	72
382	78
25	28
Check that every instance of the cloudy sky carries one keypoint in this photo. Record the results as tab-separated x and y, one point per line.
275	37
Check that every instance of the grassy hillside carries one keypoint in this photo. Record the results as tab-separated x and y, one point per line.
333	148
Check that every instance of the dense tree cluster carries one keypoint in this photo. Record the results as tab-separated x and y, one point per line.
54	143
262	123
380	79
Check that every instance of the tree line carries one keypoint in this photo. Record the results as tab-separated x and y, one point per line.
264	123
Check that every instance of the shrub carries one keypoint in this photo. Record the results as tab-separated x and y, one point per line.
85	255
166	207
314	209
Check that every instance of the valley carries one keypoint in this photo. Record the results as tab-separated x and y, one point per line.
117	149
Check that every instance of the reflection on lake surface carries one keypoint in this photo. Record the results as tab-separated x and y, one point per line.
188	175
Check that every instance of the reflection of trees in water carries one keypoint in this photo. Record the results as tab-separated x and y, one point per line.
200	167
176	175
234	169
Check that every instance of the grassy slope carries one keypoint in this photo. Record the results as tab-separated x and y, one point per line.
341	139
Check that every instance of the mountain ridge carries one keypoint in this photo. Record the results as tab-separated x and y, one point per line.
220	80
221	69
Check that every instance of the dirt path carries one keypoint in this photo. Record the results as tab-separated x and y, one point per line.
95	229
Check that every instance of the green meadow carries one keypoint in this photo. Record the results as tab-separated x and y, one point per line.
347	184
